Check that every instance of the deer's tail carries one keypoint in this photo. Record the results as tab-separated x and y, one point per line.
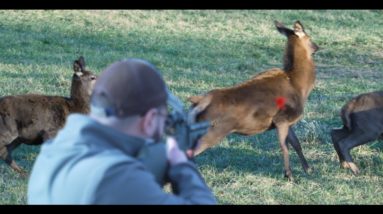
345	114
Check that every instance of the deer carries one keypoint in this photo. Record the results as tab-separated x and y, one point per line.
33	118
362	119
272	99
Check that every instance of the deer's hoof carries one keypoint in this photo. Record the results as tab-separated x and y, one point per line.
344	165
354	168
23	175
309	169
289	176
290	179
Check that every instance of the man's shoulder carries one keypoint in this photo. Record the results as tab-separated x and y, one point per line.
114	157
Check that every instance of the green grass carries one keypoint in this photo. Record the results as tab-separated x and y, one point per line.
201	50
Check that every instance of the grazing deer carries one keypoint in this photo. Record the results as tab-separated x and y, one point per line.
33	118
362	119
272	99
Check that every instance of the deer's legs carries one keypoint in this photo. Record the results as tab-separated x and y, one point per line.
283	130
293	140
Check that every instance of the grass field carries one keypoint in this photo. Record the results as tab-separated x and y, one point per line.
201	50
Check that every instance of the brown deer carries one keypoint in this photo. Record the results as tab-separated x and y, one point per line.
33	118
362	119
272	99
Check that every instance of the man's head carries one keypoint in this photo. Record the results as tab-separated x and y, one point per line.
132	91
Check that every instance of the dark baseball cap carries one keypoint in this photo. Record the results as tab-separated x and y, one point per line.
129	87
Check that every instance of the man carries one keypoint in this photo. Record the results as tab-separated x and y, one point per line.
93	159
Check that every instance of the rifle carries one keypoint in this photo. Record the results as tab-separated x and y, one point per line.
180	124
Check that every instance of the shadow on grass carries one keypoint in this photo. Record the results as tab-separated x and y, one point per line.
260	159
265	159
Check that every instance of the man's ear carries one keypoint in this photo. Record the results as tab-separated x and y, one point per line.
147	124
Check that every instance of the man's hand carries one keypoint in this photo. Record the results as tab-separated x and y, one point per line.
174	154
190	152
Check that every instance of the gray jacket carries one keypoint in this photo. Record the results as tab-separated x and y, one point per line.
89	163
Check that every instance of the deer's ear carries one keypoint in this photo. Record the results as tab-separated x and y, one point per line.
76	67
298	29
81	62
282	29
79	65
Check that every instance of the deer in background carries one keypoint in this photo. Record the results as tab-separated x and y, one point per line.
34	118
272	99
362	119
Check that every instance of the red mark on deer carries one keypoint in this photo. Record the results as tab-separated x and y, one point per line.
280	101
